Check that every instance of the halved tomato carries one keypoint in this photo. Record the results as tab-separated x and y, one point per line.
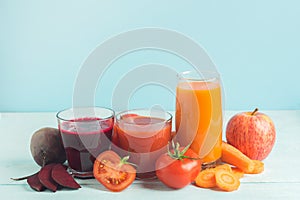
114	173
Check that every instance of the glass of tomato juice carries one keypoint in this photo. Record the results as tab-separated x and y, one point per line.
85	132
143	135
199	114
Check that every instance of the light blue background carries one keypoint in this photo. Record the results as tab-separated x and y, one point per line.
254	44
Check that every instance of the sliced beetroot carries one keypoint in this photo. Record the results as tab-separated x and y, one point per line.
46	179
63	178
34	182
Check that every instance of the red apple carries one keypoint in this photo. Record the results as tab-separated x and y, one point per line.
253	133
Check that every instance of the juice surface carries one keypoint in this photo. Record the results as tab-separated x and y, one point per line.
84	139
199	118
144	139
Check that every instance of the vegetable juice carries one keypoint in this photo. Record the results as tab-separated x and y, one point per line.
84	139
199	117
144	139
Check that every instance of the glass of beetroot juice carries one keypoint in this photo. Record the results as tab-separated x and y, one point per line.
85	132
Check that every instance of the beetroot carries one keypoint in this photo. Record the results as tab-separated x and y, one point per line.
34	182
63	178
46	146
48	151
52	176
46	179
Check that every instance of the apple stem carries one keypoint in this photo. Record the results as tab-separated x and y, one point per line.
256	109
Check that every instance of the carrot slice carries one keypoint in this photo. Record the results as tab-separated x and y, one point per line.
226	180
258	167
206	179
224	167
237	172
235	157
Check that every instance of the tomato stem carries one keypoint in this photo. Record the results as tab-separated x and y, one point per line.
179	155
124	160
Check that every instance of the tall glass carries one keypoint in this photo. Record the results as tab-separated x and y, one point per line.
199	114
86	132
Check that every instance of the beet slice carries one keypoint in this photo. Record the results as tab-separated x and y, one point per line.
34	182
46	178
63	178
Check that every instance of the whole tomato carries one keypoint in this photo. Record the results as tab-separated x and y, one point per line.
178	168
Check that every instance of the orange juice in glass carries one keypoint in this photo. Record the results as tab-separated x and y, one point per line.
199	114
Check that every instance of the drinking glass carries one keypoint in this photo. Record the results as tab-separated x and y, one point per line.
199	114
85	132
143	135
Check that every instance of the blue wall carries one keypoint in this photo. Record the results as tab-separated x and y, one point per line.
254	44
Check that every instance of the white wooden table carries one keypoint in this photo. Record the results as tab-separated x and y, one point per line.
280	180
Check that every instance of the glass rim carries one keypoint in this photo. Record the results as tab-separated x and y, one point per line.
111	115
118	118
212	75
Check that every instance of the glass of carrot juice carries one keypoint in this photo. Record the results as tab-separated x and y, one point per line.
143	135
199	114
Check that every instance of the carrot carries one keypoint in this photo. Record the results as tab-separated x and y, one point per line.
221	176
258	167
237	172
224	167
226	180
206	179
235	157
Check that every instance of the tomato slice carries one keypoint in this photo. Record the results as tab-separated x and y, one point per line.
111	172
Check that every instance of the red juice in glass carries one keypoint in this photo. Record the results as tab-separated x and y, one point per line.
144	136
84	138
